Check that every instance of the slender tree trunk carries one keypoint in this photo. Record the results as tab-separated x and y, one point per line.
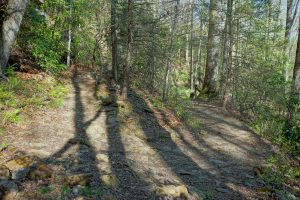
228	53
199	56
295	90
128	61
191	47
187	53
210	80
9	28
70	34
151	63
170	53
279	18
114	40
223	61
268	36
153	74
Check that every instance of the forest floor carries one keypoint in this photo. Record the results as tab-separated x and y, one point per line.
97	147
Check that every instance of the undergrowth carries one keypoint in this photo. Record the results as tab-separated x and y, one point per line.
280	177
181	108
18	96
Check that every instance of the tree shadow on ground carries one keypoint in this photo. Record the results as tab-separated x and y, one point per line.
203	170
116	182
197	169
77	161
130	185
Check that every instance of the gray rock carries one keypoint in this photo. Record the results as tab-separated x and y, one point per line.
6	185
20	174
77	190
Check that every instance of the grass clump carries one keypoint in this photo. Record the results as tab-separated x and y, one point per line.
19	95
11	116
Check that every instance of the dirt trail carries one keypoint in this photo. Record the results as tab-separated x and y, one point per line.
130	151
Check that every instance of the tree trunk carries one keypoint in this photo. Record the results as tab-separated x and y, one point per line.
191	48
228	53
288	35
114	42
268	30
199	56
187	49
70	34
295	90
210	79
128	61
9	29
169	59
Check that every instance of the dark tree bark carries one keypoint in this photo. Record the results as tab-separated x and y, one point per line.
114	40
128	61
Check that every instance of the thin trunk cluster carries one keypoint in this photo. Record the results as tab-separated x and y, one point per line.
170	52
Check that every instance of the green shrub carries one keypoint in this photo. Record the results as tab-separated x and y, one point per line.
41	41
56	95
11	116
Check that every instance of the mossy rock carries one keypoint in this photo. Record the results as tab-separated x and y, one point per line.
73	179
42	171
4	173
110	181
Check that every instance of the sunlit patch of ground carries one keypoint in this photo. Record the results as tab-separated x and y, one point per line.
100	147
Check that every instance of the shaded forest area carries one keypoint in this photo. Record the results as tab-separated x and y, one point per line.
240	56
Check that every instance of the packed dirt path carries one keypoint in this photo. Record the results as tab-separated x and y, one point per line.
97	147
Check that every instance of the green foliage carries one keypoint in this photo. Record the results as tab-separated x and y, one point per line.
87	191
41	40
291	134
65	190
278	172
158	103
181	108
56	95
3	145
209	194
45	190
11	116
47	57
17	95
